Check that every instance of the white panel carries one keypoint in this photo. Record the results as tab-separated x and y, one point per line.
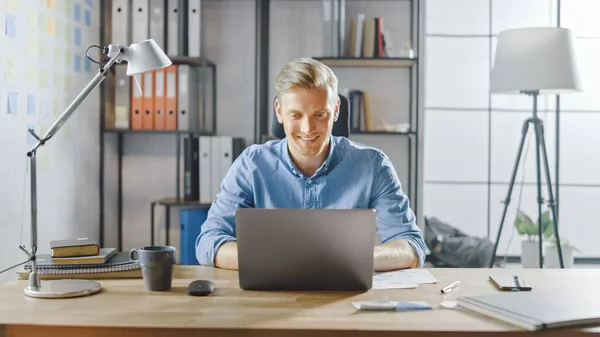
581	16
456	145
506	134
579	151
457	73
578	207
510	14
460	206
463	17
296	31
520	102
388	89
578	224
588	52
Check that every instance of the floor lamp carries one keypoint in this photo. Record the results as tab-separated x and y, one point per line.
535	61
140	57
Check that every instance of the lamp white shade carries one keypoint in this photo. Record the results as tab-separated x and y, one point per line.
540	59
145	56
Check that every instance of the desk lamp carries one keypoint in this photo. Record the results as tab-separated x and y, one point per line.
140	57
535	61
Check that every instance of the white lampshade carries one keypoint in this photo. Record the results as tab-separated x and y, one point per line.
145	56
539	59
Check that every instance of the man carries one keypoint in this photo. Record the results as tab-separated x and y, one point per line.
310	168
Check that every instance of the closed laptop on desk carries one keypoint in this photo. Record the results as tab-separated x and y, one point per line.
537	311
305	249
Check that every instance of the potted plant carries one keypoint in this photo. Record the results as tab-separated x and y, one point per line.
530	247
530	256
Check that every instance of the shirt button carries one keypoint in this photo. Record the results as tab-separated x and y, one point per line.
309	181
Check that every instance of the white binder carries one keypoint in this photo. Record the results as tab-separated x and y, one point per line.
194	27
204	169
139	16
187	100
121	22
157	22
173	16
122	98
215	167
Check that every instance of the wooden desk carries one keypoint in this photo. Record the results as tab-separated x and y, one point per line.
125	308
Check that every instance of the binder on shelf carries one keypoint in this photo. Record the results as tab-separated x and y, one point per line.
121	22
194	27
187	100
159	99
157	17
191	168
230	149
215	167
175	28
204	169
136	103
148	101
139	15
171	97
122	98
205	98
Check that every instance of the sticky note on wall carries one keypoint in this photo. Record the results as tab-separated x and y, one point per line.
32	75
51	25
32	45
77	35
77	12
77	62
10	25
32	18
9	5
30	104
88	18
9	70
12	103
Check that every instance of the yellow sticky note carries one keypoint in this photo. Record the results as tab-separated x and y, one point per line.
51	25
43	49
51	4
9	5
32	75
56	82
32	19
68	8
44	78
68	32
42	22
32	45
57	55
67	82
68	58
43	3
67	131
43	161
9	71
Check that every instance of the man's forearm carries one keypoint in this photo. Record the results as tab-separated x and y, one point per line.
227	256
395	254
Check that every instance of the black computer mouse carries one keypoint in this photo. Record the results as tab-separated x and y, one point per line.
200	288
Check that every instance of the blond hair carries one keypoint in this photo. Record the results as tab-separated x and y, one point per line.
308	74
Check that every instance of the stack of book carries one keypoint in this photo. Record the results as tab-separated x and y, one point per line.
82	258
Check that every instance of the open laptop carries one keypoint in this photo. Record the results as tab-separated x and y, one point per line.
305	249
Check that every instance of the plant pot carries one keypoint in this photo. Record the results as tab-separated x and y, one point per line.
551	256
530	255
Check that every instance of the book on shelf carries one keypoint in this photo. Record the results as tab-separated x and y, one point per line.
368	38
74	247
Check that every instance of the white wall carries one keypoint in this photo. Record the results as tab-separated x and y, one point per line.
472	136
45	59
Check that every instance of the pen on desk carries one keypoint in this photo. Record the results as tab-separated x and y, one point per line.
450	287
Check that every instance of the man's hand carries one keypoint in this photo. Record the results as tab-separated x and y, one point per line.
227	256
395	254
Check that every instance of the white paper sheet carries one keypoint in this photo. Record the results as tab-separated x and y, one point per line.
402	279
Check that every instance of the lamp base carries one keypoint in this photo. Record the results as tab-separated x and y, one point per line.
63	289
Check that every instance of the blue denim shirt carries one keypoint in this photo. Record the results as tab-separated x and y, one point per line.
352	176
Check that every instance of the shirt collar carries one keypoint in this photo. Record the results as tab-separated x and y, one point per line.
325	167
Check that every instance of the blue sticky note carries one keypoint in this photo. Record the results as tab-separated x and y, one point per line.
88	18
10	27
30	138
77	36
90	2
77	12
77	62
30	104
11	103
88	65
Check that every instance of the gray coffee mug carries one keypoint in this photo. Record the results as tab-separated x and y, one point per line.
157	264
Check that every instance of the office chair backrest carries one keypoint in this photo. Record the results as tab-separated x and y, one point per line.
340	128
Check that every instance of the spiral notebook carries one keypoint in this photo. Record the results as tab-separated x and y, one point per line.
118	266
